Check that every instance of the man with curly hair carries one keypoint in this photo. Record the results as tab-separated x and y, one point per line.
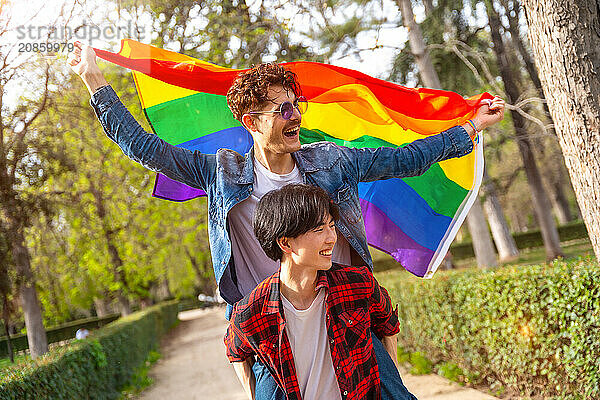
267	101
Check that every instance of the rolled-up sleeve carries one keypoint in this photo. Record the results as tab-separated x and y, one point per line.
195	169
384	319
371	164
238	348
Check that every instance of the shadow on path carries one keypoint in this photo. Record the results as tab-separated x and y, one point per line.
194	366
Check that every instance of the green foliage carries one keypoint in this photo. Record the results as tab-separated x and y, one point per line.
98	367
56	333
532	329
421	365
140	379
451	371
112	238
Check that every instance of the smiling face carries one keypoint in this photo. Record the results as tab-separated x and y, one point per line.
272	133
312	249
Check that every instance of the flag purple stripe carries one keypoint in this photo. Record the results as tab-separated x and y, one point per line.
168	189
383	234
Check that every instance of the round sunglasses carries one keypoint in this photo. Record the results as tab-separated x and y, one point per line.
286	109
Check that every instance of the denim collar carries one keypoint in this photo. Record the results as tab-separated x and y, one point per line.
304	164
247	176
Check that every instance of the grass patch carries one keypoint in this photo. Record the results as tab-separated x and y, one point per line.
571	249
140	379
19	359
420	365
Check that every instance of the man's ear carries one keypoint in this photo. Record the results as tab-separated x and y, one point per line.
284	245
249	123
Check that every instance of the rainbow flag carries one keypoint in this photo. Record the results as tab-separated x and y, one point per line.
414	219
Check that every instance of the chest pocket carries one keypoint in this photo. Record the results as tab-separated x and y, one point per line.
268	350
355	326
348	208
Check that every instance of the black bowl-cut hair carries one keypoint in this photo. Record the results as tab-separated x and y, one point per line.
290	212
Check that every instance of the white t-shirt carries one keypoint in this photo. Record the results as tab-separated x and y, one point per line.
252	265
307	333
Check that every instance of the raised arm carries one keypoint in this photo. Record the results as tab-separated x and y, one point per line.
192	168
417	157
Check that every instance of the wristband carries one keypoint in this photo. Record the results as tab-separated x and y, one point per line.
473	126
475	137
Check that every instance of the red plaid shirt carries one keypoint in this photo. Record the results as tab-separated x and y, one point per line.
356	304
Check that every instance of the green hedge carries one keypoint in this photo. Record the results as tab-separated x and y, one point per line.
526	240
56	333
95	368
533	329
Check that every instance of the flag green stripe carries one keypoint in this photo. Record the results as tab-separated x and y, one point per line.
443	195
181	120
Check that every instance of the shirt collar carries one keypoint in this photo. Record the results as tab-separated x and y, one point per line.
322	281
273	304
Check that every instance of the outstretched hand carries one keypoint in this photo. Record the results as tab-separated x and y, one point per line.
490	113
82	61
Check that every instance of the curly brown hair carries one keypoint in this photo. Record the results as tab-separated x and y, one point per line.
250	88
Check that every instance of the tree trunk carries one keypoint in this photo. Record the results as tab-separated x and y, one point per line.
564	37
102	307
482	242
36	334
515	35
428	6
560	204
6	319
541	203
116	260
164	289
479	234
418	47
505	243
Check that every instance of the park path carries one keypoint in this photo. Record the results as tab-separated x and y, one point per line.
194	367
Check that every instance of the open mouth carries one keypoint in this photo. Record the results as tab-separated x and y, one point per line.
326	253
292	131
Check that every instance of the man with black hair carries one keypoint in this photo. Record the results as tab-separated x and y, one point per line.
268	102
310	322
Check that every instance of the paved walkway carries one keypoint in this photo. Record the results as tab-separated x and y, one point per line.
193	366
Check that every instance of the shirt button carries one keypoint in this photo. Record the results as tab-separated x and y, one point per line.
345	393
350	322
331	341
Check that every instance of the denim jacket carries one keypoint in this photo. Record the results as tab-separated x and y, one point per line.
227	176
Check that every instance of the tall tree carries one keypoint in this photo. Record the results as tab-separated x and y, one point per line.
564	37
541	202
22	156
505	243
512	12
480	235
